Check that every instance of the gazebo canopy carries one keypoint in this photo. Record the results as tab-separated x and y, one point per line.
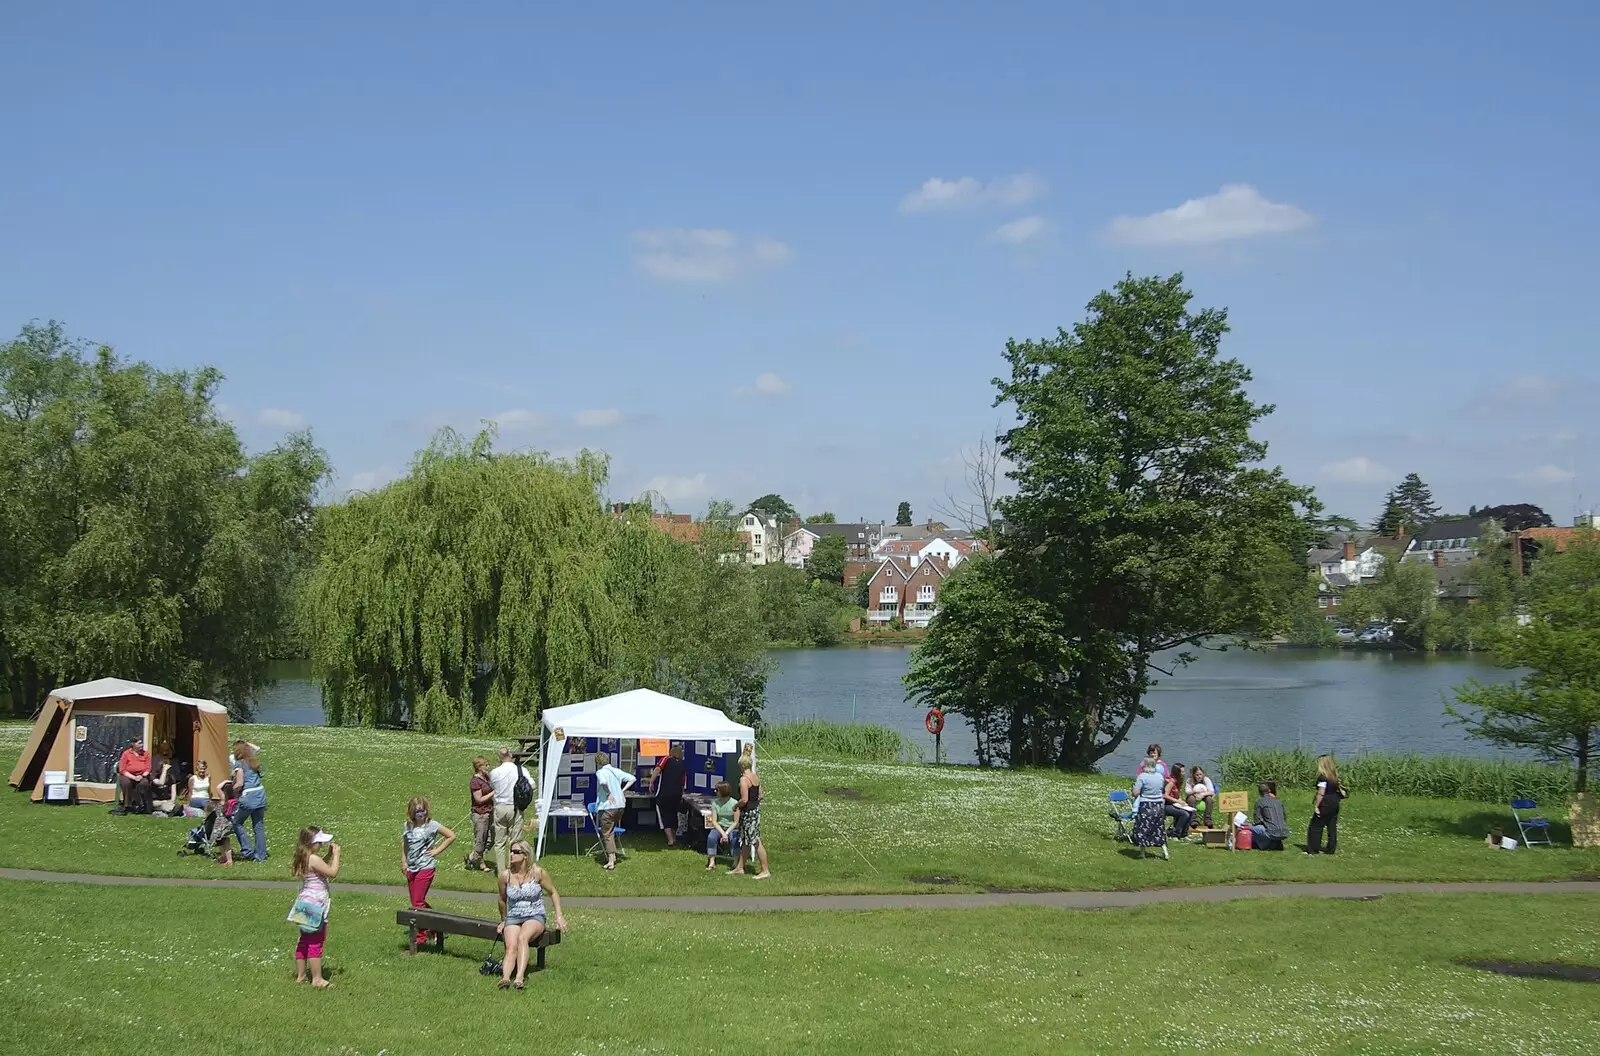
638	713
644	713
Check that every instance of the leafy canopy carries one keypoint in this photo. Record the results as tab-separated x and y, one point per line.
137	539
827	559
1143	520
1555	708
775	506
484	587
902	514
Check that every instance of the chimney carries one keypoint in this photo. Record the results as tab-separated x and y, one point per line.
1438	559
1349	549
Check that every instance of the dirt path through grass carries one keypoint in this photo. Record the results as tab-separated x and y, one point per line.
984	900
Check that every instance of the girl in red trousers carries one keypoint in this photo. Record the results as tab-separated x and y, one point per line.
419	852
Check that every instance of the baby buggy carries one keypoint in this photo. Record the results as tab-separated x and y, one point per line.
197	842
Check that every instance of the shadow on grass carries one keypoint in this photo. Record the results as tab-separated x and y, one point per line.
1483	822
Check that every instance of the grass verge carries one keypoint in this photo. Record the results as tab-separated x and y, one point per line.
849	741
209	971
829	826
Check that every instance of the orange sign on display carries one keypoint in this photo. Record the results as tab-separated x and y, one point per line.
651	746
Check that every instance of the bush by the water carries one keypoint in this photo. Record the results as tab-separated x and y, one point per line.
1430	776
821	739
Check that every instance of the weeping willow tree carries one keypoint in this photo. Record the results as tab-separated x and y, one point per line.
485	587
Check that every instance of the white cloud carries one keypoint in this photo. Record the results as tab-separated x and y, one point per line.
680	489
941	195
278	418
372	479
1236	211
1546	475
1357	470
1024	230
704	255
517	420
598	419
1535	388
766	384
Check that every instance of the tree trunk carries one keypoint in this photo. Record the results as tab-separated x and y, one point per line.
1583	762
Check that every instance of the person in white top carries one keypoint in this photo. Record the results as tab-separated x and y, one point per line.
1201	790
507	818
608	807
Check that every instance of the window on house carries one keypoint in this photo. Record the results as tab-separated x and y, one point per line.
927	571
925	594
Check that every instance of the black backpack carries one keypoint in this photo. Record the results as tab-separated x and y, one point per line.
522	791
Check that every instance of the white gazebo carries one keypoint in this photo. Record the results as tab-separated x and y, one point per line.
636	714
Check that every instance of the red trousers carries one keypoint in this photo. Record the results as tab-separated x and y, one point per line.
417	884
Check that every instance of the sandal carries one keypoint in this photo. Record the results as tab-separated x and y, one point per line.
516	986
502	984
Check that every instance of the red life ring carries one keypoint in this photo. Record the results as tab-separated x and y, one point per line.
934	722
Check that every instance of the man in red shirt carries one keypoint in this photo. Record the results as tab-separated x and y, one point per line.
133	777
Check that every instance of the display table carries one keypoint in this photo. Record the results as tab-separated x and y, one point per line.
569	810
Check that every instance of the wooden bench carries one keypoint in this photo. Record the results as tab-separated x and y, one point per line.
442	924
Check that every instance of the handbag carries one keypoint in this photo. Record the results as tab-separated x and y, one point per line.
308	913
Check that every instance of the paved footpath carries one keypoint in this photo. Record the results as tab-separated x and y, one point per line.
782	903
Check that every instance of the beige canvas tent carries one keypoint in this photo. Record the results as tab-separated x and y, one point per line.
82	730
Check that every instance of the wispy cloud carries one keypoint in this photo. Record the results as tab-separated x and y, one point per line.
766	384
598	419
1018	232
277	418
518	420
968	192
1546	474
677	489
704	255
1236	211
1356	470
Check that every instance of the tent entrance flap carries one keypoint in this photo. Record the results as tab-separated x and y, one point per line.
550	751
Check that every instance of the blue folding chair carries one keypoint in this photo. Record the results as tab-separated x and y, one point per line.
1122	813
1536	823
599	848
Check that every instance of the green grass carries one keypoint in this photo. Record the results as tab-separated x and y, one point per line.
830	826
1433	776
853	741
208	971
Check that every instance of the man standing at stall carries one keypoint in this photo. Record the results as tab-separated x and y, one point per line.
608	808
507	818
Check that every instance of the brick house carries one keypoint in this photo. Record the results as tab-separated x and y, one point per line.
911	594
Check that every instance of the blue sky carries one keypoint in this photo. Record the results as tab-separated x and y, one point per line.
747	251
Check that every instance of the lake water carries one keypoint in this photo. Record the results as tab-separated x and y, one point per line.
1342	701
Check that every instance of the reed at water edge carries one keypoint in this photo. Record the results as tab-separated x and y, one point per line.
1427	776
854	741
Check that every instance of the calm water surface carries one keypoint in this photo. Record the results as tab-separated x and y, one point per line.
1342	701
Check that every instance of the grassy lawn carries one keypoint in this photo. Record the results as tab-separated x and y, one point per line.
97	971
830	827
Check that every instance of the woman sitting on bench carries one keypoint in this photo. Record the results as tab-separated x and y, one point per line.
522	888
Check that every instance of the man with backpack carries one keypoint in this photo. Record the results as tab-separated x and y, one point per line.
513	792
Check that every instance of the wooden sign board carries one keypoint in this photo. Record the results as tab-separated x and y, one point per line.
1231	803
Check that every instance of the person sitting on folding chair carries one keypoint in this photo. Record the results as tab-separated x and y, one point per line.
608	809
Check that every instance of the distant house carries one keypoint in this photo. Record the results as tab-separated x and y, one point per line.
680	526
898	590
1449	541
925	531
760	538
1358	557
952	550
859	540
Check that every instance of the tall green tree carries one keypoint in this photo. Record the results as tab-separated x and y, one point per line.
776	506
827	559
1408	508
484	587
1555	708
137	538
902	515
825	517
1144	520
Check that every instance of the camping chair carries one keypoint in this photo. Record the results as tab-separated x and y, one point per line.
1122	813
1533	823
599	846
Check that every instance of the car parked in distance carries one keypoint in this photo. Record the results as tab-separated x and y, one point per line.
1375	633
